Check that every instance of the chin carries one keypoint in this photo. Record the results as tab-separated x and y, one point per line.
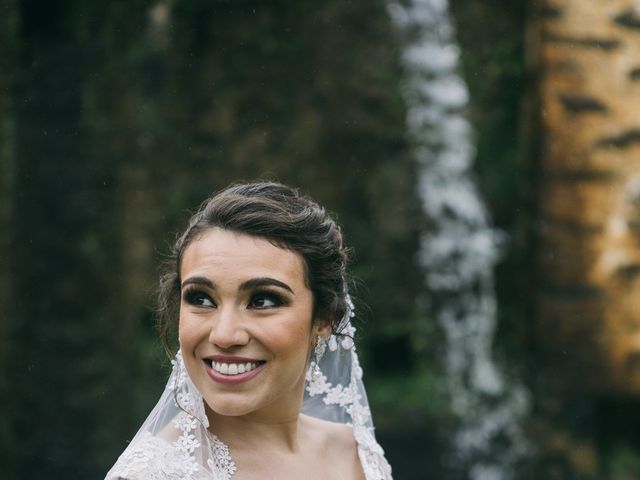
229	408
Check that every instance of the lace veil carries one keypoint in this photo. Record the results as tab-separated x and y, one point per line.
175	442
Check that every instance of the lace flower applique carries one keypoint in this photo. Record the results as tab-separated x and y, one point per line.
174	443
352	400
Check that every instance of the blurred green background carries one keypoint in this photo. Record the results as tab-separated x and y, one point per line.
118	118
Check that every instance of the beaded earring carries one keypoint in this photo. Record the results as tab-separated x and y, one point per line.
318	352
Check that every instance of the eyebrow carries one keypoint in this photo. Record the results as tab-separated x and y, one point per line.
248	285
264	282
199	281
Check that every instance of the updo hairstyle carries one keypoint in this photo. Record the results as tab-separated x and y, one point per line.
277	213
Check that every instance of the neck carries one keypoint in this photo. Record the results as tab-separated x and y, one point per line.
254	431
273	427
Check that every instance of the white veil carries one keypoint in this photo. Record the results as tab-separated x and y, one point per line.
175	443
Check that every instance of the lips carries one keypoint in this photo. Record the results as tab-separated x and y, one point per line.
232	369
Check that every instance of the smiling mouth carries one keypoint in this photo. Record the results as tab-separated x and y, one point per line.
231	369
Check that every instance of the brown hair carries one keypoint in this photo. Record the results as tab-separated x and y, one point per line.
281	215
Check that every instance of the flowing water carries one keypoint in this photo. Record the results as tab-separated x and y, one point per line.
459	249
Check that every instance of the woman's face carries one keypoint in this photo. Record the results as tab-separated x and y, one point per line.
245	324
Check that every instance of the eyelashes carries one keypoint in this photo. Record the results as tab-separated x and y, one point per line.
196	297
266	299
258	300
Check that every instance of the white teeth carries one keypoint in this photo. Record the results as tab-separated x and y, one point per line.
233	368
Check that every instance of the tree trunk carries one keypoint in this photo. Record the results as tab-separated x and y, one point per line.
587	225
588	192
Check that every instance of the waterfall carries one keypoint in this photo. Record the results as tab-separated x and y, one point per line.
459	249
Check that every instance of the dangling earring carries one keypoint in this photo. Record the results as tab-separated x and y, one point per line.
318	352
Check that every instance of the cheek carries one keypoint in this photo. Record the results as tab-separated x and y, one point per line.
188	331
292	339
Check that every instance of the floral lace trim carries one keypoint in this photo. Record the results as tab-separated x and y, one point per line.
151	458
374	463
196	454
222	463
192	417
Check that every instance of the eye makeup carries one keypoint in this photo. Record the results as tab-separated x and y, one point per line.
259	299
265	299
195	296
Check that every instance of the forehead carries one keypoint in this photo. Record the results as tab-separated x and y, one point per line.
219	252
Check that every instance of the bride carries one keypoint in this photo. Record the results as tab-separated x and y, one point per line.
266	382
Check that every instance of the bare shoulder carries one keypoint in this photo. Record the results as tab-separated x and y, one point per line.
336	440
332	432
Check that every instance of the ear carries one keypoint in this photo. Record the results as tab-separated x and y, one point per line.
322	328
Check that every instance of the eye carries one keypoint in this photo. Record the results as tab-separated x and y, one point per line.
263	300
197	298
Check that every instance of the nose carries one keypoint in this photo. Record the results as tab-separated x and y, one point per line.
228	331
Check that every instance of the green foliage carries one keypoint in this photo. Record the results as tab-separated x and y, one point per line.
8	50
624	463
491	35
402	396
493	66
